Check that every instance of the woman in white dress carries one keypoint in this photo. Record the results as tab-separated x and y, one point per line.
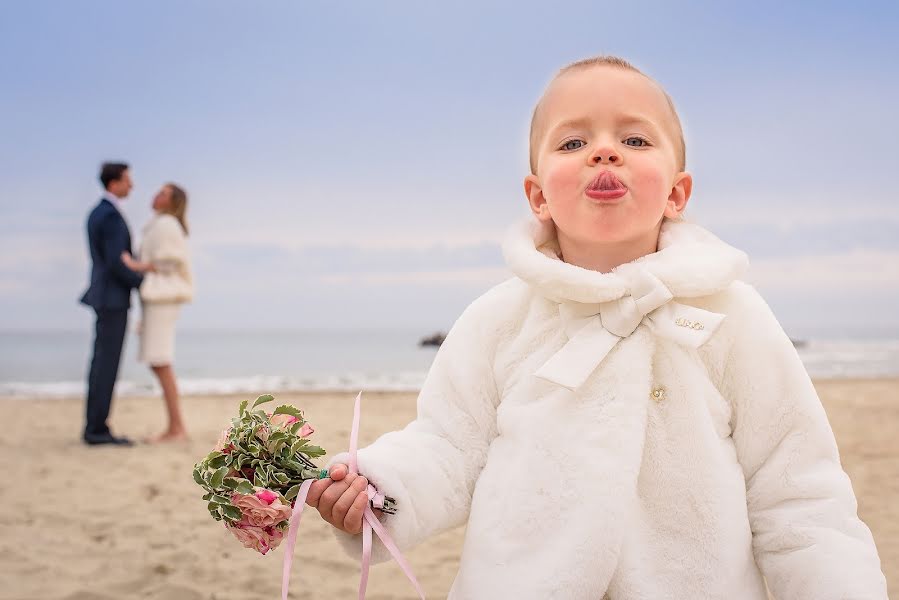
168	283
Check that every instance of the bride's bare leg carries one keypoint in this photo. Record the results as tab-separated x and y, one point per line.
176	429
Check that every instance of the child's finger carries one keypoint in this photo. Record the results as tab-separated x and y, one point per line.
338	471
316	491
331	496
353	521
338	514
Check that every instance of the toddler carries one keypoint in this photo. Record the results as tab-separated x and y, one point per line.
625	418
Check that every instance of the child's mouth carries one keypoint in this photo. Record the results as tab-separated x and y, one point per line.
606	186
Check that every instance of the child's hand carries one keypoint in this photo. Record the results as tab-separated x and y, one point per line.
340	499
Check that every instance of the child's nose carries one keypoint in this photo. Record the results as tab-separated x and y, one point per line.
605	155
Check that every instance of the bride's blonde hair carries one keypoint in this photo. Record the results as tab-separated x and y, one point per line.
178	205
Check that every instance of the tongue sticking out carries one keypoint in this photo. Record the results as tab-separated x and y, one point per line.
607	182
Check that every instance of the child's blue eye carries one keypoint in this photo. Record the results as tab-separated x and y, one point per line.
572	145
636	142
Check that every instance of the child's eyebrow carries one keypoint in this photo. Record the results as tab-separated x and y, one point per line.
585	122
638	120
578	123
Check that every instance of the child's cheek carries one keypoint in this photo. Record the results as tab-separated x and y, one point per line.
649	181
561	178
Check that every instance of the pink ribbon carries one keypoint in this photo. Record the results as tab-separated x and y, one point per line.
369	523
292	535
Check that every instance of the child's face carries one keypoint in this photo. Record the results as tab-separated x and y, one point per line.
607	161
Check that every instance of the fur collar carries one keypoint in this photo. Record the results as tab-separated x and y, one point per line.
690	261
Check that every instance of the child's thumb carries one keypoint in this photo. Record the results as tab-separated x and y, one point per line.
338	471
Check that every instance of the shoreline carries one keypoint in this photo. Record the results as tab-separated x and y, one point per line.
335	391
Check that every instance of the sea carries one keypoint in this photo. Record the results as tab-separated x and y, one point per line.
42	364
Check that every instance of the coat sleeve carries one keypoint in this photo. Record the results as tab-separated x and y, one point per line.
430	467
114	238
169	243
807	537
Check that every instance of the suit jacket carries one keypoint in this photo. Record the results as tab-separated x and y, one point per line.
111	281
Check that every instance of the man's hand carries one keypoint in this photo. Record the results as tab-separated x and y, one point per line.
136	266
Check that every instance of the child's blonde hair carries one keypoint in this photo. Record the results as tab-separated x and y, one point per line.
618	63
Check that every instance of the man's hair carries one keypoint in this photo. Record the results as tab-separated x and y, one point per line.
111	171
618	63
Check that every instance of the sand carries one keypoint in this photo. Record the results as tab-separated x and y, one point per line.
101	523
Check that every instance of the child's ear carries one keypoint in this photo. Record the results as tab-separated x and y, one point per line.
534	193
679	196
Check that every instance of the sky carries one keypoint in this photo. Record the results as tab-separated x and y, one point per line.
355	164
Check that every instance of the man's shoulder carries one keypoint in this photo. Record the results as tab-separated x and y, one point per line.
106	214
101	209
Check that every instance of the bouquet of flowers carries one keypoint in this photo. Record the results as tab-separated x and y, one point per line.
257	478
255	472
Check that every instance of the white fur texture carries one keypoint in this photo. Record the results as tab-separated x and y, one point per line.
730	480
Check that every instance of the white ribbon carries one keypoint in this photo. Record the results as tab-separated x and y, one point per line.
594	329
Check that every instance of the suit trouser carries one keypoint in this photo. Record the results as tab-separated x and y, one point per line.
108	340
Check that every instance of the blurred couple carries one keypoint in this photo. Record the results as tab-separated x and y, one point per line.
161	272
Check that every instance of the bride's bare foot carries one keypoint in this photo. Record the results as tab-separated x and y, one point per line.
168	436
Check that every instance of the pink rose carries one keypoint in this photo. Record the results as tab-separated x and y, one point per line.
286	421
260	539
224	444
266	496
262	508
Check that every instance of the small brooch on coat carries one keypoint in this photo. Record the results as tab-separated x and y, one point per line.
658	394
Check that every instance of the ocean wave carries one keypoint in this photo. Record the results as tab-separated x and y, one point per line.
259	384
823	359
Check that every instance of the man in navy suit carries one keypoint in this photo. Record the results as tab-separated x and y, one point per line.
109	295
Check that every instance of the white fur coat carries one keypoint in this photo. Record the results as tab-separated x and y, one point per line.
164	244
667	470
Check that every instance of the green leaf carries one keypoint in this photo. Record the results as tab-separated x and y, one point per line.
231	482
280	478
313	451
218	477
207	497
243	407
263	399
212	456
259	478
219	461
286	409
197	477
292	492
244	487
219	500
231	513
276	437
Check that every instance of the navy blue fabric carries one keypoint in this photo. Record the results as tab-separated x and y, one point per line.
111	281
109	336
109	294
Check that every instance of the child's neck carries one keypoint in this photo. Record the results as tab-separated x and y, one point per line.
604	257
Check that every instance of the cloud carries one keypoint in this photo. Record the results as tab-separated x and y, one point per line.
862	271
487	276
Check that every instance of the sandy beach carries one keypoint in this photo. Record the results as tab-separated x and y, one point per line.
103	523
